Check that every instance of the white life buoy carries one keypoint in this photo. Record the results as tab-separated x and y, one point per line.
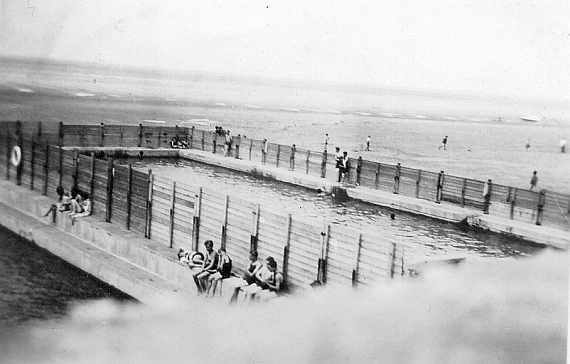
16	156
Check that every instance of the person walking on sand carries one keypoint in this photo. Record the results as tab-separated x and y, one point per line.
533	181
527	144
368	143
444	143
563	145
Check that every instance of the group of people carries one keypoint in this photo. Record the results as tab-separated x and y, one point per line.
76	203
177	143
342	164
260	280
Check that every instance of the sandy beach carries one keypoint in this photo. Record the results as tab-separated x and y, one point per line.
486	137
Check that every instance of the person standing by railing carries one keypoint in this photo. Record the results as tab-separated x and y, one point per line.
486	196
263	151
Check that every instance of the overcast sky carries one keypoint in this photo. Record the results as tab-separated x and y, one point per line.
496	47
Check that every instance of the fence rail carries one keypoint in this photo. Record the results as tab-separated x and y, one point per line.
176	214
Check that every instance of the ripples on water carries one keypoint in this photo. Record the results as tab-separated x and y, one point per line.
37	285
422	236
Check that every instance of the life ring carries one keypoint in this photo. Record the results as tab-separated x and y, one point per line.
16	156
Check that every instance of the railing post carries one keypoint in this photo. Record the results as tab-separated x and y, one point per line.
264	151
238	142
322	274
192	138
377	177
148	217
358	170
214	142
307	162
250	147
439	187
397	179
129	195
463	191
292	158
540	206
140	135
285	269
110	179
255	210
418	183
393	264
225	222
8	151
278	155
32	165
46	170
171	223
75	175
487	193
513	204
196	220
92	182
102	136
356	260
20	141
324	164
159	136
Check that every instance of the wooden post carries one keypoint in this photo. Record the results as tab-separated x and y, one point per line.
250	147
110	179
225	222
32	165
129	195
203	136
60	168
92	181
278	155
255	210
397	179
192	138
513	203
196	220
159	136
75	175
439	187
20	141
8	151
214	142
463	191
102	137
377	177
307	162
358	170
171	224
356	260
140	135
292	158
324	164
322	274
46	170
418	183
540	206
148	217
393	263
286	248
238	142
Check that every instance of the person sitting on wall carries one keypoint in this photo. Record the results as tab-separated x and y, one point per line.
263	278
273	286
248	277
209	267
190	258
63	204
224	270
175	142
80	206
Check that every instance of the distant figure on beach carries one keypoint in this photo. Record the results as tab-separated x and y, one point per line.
326	140
368	144
444	143
487	196
533	181
563	145
528	144
263	151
